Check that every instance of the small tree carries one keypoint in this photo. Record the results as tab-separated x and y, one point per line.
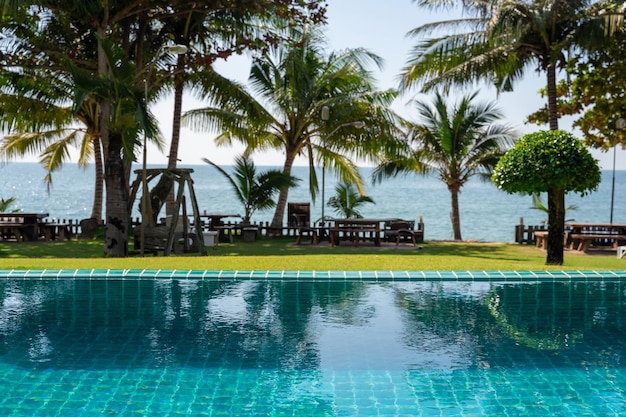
554	162
254	190
5	205
347	201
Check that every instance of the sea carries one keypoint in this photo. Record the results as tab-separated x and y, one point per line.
487	214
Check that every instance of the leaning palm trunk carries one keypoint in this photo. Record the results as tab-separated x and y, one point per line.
175	142
96	209
279	213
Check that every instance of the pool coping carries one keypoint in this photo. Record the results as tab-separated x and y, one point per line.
312	276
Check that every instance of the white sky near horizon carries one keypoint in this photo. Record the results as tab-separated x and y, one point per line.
381	27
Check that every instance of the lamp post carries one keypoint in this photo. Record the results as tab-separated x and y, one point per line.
172	49
619	124
325	117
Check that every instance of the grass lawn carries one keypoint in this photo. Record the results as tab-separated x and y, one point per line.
282	254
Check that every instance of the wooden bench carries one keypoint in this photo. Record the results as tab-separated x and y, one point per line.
582	241
229	230
541	239
355	231
50	231
12	230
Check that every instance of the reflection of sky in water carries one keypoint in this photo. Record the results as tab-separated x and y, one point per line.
377	338
422	325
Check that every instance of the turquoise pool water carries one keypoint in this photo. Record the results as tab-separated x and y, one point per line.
122	344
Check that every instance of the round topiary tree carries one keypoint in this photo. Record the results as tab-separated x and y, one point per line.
551	161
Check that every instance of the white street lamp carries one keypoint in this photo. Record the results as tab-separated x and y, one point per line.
619	124
325	117
175	50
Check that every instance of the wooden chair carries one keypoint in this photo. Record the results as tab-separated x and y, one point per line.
400	230
299	218
304	229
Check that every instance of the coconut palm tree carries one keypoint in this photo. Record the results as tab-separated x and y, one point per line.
34	108
347	201
504	40
455	142
254	190
290	87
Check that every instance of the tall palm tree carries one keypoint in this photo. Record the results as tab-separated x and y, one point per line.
505	39
291	85
255	190
455	142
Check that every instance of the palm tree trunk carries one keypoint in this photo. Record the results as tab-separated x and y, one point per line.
553	116
175	142
556	226
96	209
455	216
116	239
281	204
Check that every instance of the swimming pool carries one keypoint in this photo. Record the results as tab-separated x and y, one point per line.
124	343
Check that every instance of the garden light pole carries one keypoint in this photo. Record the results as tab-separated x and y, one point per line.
145	200
619	124
325	117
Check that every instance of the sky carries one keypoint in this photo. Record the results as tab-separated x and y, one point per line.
381	27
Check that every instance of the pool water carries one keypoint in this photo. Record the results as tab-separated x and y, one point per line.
275	348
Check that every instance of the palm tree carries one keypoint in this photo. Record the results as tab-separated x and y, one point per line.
506	38
33	107
254	190
291	85
455	142
347	201
5	205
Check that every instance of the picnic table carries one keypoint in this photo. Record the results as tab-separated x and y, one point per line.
580	236
21	226
356	230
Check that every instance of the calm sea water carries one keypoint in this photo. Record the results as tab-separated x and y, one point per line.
487	214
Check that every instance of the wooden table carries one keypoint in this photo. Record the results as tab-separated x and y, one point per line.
581	235
356	230
216	219
24	226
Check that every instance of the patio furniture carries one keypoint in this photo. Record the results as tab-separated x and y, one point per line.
355	230
399	231
299	218
621	252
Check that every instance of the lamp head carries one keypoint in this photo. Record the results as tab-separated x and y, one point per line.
359	124
325	113
176	49
620	123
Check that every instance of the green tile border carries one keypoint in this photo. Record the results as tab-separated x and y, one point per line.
313	276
